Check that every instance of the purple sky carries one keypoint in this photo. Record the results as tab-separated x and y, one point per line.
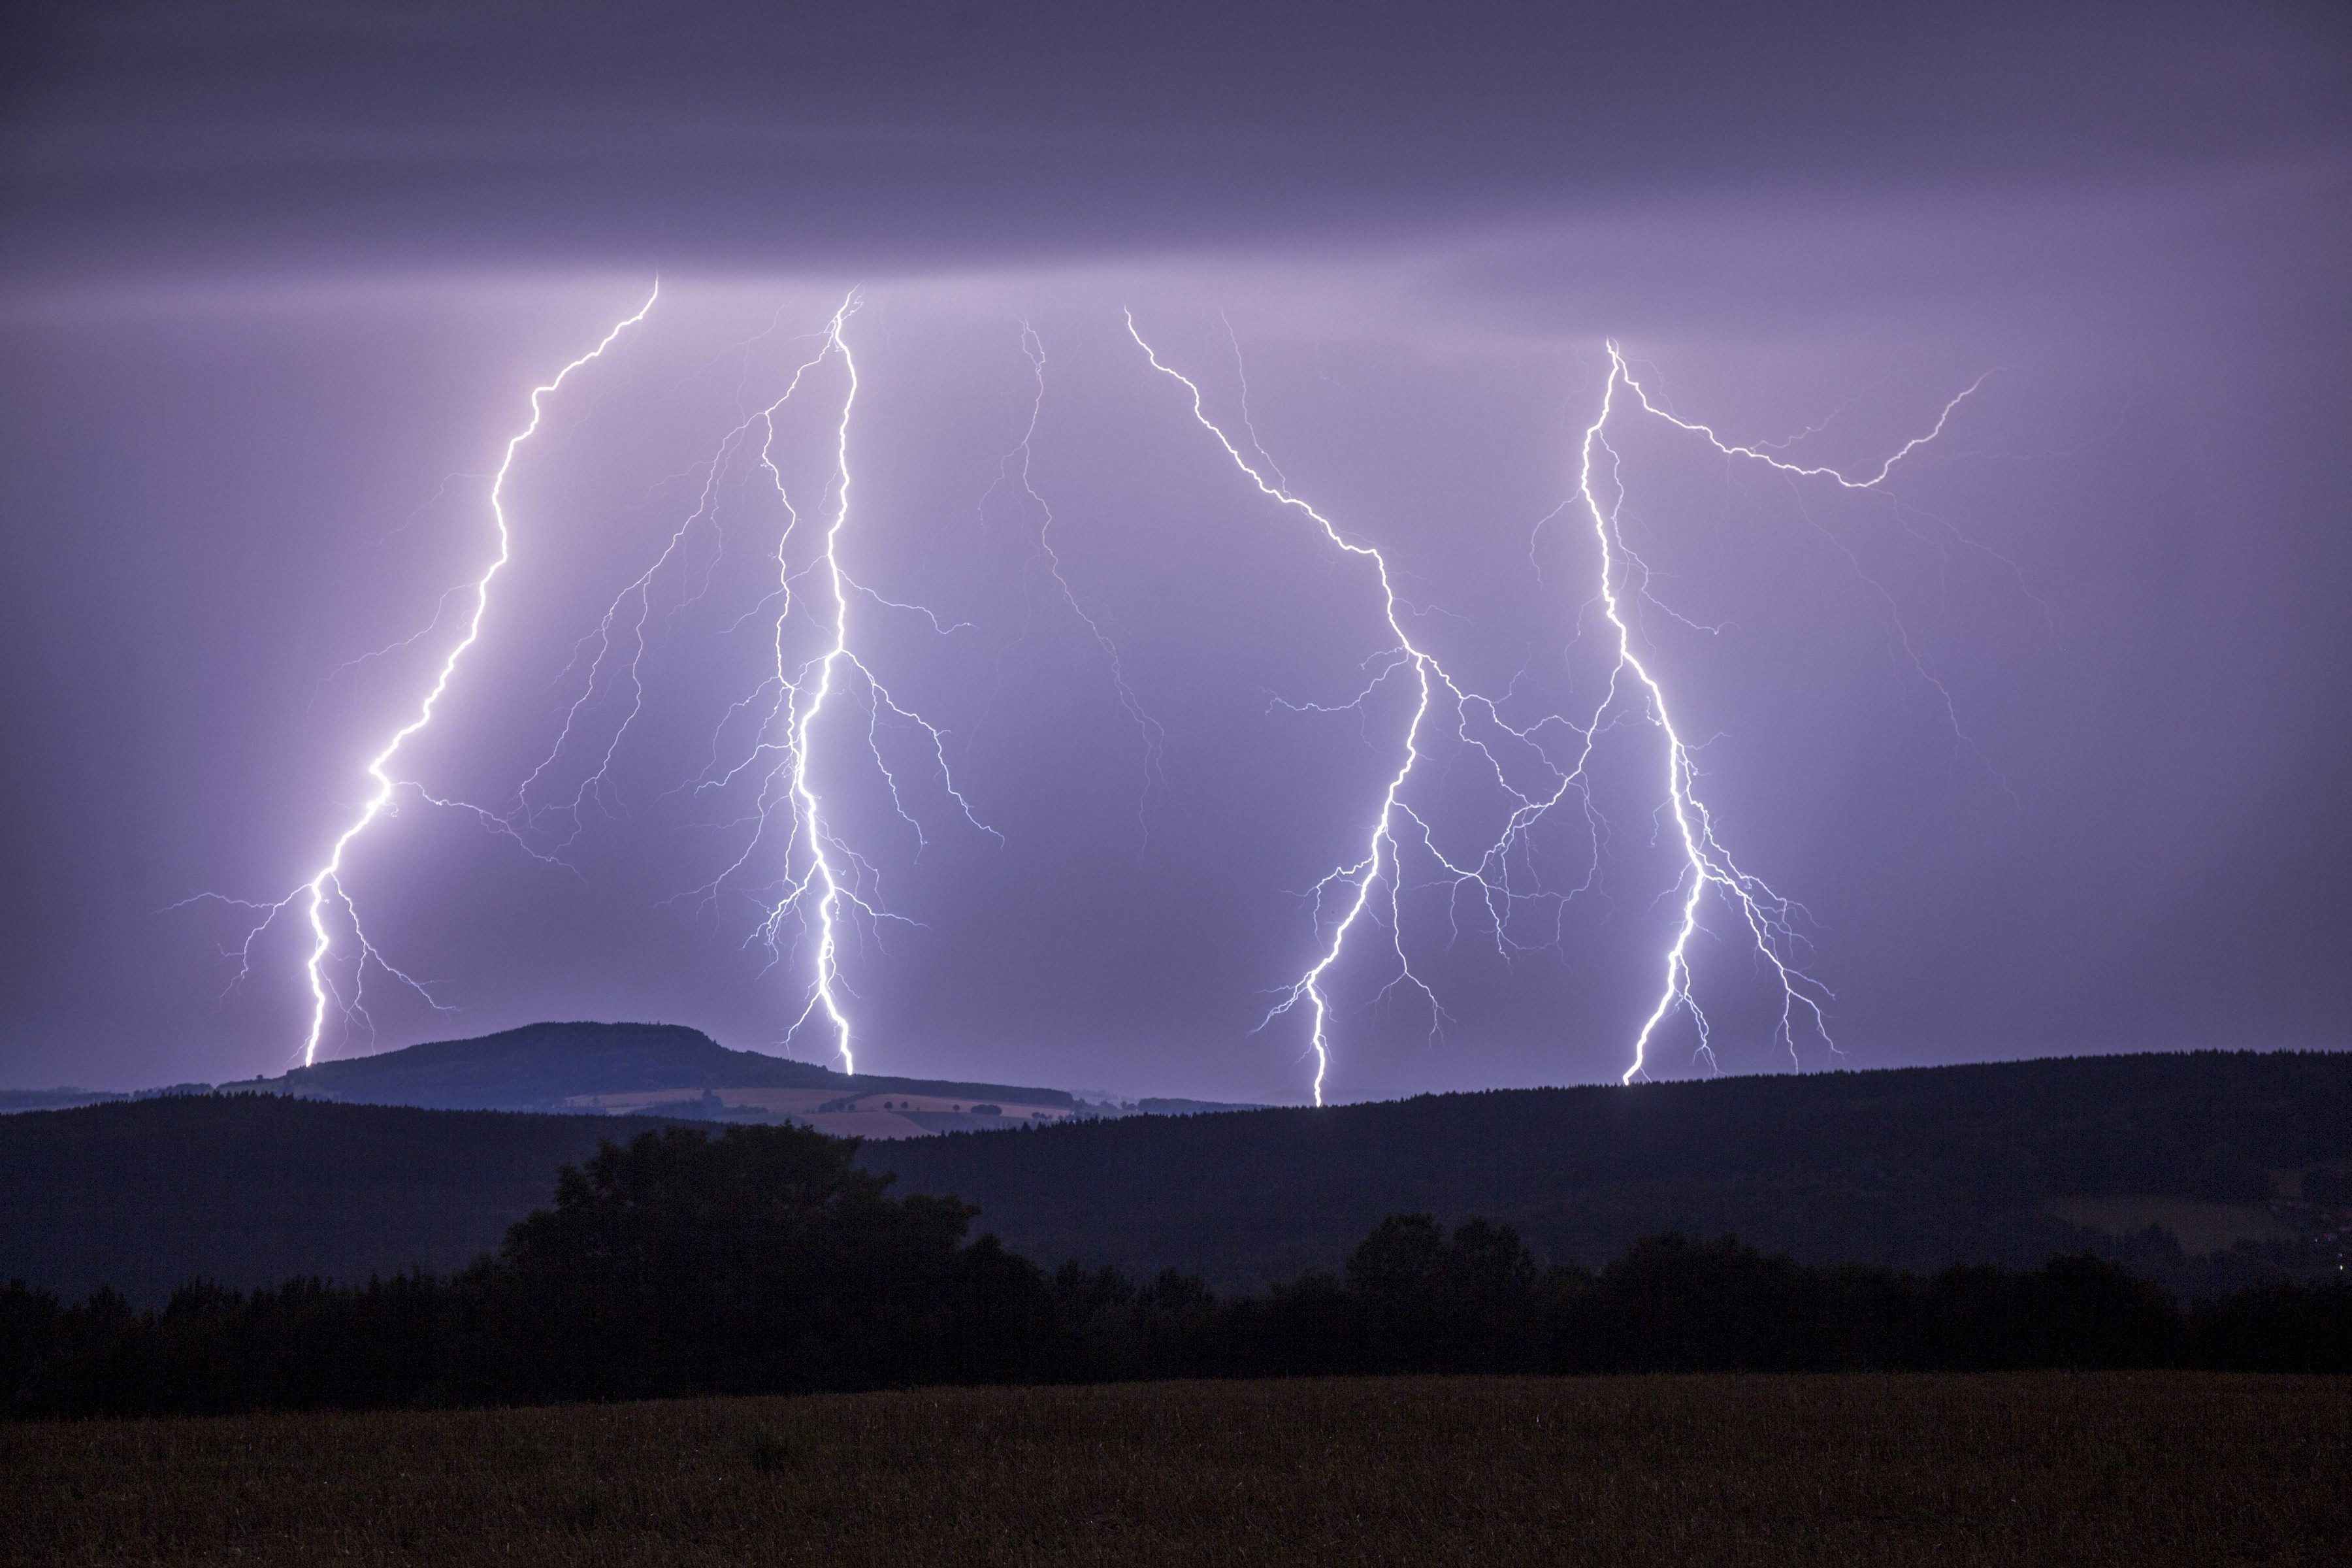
279	279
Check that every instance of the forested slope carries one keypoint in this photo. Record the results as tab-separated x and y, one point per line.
1915	1169
538	1066
251	1189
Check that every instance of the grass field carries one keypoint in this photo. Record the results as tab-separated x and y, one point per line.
2134	1469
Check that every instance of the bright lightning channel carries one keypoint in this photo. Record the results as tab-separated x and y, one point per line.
807	701
1766	914
826	881
1375	867
325	889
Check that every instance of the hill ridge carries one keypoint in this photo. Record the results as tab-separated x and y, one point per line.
2205	1170
542	1066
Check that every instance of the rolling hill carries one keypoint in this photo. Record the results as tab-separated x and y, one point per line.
2205	1170
662	1069
2193	1167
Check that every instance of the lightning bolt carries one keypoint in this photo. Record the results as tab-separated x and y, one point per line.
325	892
826	881
1619	372
593	786
830	891
806	703
1351	884
1765	915
1500	877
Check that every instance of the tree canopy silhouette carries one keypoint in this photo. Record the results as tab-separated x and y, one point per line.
764	1260
761	1257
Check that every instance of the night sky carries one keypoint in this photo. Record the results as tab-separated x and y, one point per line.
2048	734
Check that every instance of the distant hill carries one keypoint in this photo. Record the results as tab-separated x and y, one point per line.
2000	1163
2241	1164
555	1067
15	1099
650	1069
540	1065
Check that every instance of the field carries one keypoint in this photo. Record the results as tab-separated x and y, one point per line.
2200	1228
2121	1469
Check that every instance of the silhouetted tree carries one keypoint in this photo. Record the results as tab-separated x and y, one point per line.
760	1258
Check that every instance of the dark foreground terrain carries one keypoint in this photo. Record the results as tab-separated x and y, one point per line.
2115	1469
760	1260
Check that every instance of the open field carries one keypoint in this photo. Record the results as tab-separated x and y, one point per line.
2200	1228
2132	1469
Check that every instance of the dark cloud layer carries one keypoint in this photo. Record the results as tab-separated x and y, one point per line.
912	134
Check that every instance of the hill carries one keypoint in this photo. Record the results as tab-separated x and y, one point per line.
641	1069
2192	1167
540	1065
665	1068
2205	1170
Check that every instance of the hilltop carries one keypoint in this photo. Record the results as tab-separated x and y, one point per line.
661	1069
540	1066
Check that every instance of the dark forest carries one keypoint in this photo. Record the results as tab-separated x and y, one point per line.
762	1259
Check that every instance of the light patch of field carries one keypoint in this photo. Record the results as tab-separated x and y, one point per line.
784	1101
623	1104
881	1125
2101	1471
936	1104
800	1104
2201	1227
879	1115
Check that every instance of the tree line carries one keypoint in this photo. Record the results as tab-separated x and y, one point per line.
763	1259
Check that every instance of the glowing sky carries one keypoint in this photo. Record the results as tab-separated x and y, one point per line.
2050	738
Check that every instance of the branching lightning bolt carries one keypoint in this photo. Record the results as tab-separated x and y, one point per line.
1500	877
1619	372
1353	882
1766	915
825	882
325	889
